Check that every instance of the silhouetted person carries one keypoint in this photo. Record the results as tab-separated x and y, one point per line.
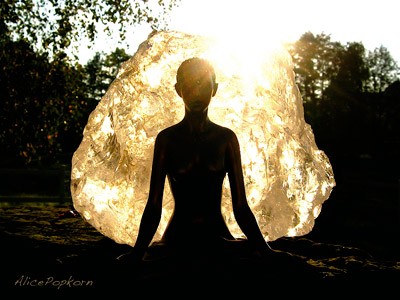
195	155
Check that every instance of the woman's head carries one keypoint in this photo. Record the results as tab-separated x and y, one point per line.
196	83
200	64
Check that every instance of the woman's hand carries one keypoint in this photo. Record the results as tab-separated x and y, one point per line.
135	256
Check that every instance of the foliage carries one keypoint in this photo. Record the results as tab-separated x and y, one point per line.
344	94
52	25
45	104
101	71
45	100
383	70
351	98
40	101
316	62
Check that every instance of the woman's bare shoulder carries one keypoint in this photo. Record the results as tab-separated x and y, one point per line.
226	131
167	133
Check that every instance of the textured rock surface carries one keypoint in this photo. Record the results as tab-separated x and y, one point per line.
287	177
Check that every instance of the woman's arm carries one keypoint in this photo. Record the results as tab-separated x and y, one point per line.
152	212
242	211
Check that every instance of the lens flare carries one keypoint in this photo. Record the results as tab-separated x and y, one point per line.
287	177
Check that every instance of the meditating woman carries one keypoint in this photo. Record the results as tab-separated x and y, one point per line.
195	155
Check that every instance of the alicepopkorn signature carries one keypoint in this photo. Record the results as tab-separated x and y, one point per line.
50	281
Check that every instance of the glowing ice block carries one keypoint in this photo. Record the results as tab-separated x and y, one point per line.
287	177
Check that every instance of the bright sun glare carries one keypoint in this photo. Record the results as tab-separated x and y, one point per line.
233	22
243	34
272	22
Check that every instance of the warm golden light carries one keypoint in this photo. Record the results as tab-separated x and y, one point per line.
287	177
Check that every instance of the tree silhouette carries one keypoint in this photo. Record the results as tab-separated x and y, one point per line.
51	26
101	71
45	99
350	98
383	70
343	91
38	102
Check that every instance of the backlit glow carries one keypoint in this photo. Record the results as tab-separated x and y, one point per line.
287	177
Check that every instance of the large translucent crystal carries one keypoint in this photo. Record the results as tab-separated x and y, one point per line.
287	177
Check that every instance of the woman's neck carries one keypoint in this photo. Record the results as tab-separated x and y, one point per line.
197	122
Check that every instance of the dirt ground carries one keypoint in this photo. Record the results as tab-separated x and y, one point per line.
47	248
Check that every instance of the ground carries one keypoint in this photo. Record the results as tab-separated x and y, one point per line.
353	248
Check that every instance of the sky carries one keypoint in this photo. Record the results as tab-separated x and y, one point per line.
375	23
